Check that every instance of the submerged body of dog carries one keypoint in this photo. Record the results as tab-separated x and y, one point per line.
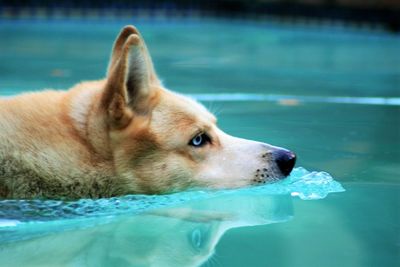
122	135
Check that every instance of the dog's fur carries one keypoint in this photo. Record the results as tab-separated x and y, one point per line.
122	135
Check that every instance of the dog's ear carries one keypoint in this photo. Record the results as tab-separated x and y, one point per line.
119	43
130	79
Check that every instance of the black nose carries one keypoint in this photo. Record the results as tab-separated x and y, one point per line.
285	160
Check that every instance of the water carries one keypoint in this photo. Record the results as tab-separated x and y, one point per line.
194	220
278	83
302	183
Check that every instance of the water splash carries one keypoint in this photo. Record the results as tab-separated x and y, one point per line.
302	183
311	185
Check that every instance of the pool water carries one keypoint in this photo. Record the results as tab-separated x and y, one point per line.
330	95
139	230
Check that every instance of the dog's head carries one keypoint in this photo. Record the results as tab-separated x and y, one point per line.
164	142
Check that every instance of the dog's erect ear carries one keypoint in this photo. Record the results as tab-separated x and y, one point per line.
119	44
130	79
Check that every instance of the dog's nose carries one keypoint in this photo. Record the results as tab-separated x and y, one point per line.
285	160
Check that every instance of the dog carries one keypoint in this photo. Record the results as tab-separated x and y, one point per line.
125	134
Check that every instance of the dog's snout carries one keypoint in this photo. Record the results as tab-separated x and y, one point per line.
285	160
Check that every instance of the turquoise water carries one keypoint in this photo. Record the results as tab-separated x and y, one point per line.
330	95
119	231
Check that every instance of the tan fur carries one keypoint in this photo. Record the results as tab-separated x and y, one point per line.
122	135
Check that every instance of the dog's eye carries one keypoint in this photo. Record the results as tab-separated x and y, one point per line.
200	140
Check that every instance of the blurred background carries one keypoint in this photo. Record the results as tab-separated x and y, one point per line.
320	77
363	13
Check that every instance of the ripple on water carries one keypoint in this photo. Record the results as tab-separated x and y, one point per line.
301	183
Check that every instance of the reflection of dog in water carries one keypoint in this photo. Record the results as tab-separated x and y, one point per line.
125	134
178	237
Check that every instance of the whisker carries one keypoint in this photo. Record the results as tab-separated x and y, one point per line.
215	107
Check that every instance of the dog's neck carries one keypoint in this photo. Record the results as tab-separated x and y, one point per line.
86	119
69	159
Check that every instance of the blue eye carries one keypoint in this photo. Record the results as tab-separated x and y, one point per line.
200	140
